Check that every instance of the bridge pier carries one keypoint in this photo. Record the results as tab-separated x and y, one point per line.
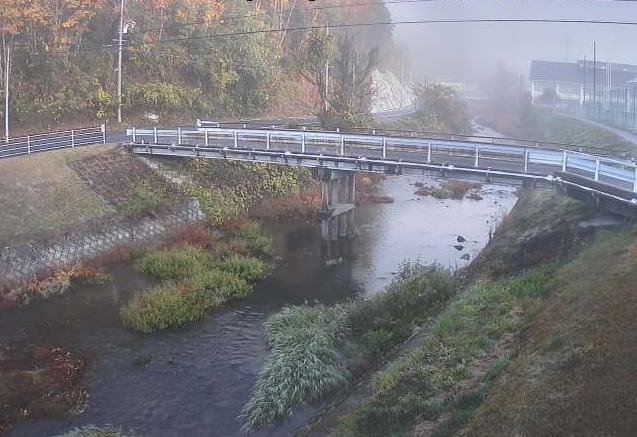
338	190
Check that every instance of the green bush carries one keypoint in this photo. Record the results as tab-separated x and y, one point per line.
302	365
252	234
247	268
389	317
177	262
169	305
224	285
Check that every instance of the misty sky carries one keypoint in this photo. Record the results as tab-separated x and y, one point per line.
454	52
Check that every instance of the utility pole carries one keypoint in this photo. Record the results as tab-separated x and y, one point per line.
119	63
327	71
7	66
594	77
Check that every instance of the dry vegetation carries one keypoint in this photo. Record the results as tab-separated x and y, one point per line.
37	383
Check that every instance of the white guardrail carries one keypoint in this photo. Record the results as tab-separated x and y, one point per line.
52	141
525	159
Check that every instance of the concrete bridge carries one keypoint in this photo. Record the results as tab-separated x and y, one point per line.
608	182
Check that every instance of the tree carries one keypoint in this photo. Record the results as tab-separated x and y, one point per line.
440	109
349	103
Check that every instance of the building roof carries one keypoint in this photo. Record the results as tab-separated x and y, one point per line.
580	72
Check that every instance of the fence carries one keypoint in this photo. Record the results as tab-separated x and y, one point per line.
52	141
471	153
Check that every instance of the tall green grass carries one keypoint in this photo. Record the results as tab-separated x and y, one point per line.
416	293
177	262
472	324
257	242
305	360
302	365
193	282
247	268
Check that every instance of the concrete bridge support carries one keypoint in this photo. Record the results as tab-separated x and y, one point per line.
338	190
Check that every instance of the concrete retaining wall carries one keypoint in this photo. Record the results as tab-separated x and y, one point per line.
20	263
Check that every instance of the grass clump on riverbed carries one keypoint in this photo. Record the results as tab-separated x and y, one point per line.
194	282
306	358
303	363
414	388
96	431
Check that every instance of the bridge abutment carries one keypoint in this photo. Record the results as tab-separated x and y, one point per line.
338	191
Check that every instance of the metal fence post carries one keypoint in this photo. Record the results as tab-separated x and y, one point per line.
178	135
155	134
267	140
72	138
303	142
29	144
428	151
526	160
236	139
384	147
103	128
564	161
134	136
597	164
342	145
205	138
635	181
476	161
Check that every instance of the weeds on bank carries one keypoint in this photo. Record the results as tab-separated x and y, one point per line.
413	387
302	365
306	344
195	280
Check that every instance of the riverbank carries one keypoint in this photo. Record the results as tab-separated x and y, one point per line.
520	322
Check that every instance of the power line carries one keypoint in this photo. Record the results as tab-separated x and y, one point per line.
350	25
287	11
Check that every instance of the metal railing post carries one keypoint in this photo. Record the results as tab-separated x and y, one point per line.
178	135
205	138
236	139
155	134
476	161
72	138
267	140
134	135
428	151
103	128
29	144
342	145
564	161
526	160
597	164
384	147
635	181
303	142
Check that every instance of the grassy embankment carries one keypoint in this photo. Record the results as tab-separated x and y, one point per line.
543	125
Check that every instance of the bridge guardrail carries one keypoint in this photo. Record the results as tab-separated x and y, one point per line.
521	158
52	140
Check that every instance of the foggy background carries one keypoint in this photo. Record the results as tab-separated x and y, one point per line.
467	52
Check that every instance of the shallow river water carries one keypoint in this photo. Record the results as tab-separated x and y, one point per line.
194	382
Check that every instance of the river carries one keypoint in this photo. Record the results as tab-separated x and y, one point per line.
194	382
